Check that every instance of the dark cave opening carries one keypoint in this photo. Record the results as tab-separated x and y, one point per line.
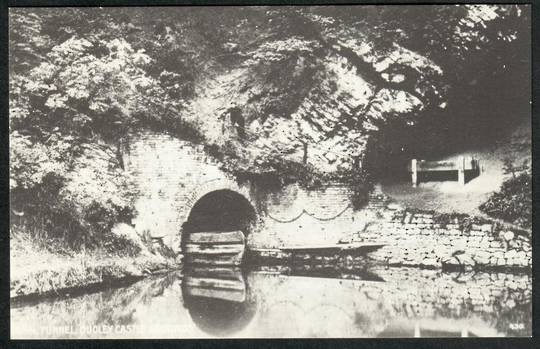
221	211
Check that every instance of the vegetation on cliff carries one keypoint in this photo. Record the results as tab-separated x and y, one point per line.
513	202
320	90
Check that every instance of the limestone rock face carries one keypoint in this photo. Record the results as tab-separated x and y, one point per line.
331	120
313	88
310	98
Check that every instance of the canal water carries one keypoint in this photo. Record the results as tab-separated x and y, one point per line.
305	301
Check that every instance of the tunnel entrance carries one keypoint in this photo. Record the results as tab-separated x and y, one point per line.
217	228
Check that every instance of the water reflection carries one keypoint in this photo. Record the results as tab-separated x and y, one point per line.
283	302
218	299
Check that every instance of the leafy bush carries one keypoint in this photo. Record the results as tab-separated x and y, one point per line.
75	98
101	73
97	193
513	202
78	199
361	185
30	161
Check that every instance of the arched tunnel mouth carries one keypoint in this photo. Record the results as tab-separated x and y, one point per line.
222	215
221	210
215	293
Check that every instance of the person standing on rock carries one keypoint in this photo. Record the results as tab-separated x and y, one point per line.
237	119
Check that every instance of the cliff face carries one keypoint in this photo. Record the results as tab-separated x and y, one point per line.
331	118
314	87
309	99
312	90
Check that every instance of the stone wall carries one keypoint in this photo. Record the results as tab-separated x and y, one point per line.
417	239
409	238
172	174
295	216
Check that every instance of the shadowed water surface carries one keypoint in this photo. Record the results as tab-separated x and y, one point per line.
280	302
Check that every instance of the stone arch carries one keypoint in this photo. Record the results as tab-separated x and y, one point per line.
217	206
216	185
219	212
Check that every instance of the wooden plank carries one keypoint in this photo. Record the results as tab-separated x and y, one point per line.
233	237
461	170
214	249
216	272
429	166
442	169
436	166
414	173
228	295
222	260
214	283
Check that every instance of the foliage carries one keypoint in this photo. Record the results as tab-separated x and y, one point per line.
362	184
513	202
280	172
510	167
83	201
328	78
73	95
31	163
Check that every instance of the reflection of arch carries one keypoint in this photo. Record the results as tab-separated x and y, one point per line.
286	303
342	318
320	306
211	297
219	317
285	317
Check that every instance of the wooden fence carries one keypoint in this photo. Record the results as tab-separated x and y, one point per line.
461	165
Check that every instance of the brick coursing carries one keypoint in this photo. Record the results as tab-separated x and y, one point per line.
172	174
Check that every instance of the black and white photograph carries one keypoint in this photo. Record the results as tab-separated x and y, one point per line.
335	171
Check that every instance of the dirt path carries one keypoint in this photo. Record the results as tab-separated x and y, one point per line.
450	196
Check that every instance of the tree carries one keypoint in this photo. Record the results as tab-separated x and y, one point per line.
329	79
